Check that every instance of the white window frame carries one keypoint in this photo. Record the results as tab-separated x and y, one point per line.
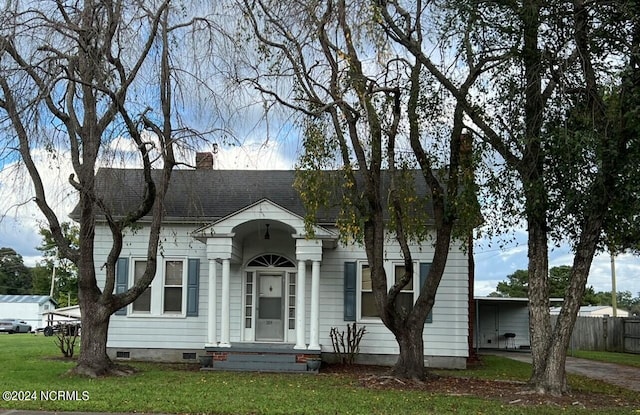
390	267
416	276
163	286
132	277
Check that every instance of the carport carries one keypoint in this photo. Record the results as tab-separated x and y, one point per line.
502	323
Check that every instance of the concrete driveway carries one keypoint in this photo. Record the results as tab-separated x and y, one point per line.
624	376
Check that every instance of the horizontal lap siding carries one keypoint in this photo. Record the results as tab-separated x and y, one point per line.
446	336
158	331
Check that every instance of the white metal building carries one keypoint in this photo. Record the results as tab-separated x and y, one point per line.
29	308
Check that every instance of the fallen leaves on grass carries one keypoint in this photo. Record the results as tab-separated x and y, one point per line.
509	392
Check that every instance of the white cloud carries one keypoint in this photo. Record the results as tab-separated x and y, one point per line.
485	287
250	156
627	268
20	218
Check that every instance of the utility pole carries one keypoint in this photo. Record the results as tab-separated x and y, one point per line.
53	280
614	295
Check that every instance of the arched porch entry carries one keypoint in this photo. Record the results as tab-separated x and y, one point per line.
268	250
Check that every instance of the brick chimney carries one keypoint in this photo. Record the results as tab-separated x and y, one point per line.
204	161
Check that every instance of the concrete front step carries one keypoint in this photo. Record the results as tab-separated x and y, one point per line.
255	366
260	357
266	358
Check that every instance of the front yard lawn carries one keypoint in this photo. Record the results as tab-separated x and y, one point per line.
627	359
30	365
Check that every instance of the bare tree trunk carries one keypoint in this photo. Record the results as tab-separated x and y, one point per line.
410	363
93	360
539	318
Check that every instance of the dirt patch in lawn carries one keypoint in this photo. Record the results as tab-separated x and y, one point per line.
509	392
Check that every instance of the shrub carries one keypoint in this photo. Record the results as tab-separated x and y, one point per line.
347	349
66	338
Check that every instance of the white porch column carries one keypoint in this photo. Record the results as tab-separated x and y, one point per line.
224	312
300	306
314	319
211	314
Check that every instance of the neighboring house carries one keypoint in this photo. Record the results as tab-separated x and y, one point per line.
502	323
29	308
238	276
594	311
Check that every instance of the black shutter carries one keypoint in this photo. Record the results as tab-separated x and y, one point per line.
193	280
350	284
122	281
424	272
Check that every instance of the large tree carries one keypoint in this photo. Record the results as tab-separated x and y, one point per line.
60	272
517	285
15	277
379	119
541	62
77	78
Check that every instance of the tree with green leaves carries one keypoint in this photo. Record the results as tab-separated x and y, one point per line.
540	65
15	277
65	289
517	285
624	300
378	120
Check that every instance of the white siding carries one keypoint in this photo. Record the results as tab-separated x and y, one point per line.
446	336
498	318
158	331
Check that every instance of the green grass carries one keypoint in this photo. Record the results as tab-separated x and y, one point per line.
30	363
495	367
627	359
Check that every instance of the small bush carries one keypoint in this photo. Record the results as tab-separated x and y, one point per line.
66	338
347	349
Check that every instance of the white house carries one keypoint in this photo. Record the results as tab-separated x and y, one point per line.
238	276
30	308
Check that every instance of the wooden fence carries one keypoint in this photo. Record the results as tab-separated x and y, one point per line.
611	334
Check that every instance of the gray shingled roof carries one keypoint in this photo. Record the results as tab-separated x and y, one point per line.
204	195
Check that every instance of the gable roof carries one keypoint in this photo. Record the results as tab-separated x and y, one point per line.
200	194
261	210
205	195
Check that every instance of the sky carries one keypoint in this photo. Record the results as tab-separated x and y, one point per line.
20	220
494	264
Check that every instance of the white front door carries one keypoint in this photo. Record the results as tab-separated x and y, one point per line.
270	306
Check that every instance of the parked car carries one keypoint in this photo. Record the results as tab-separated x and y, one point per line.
11	325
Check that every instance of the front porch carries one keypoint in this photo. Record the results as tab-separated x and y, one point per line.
261	357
